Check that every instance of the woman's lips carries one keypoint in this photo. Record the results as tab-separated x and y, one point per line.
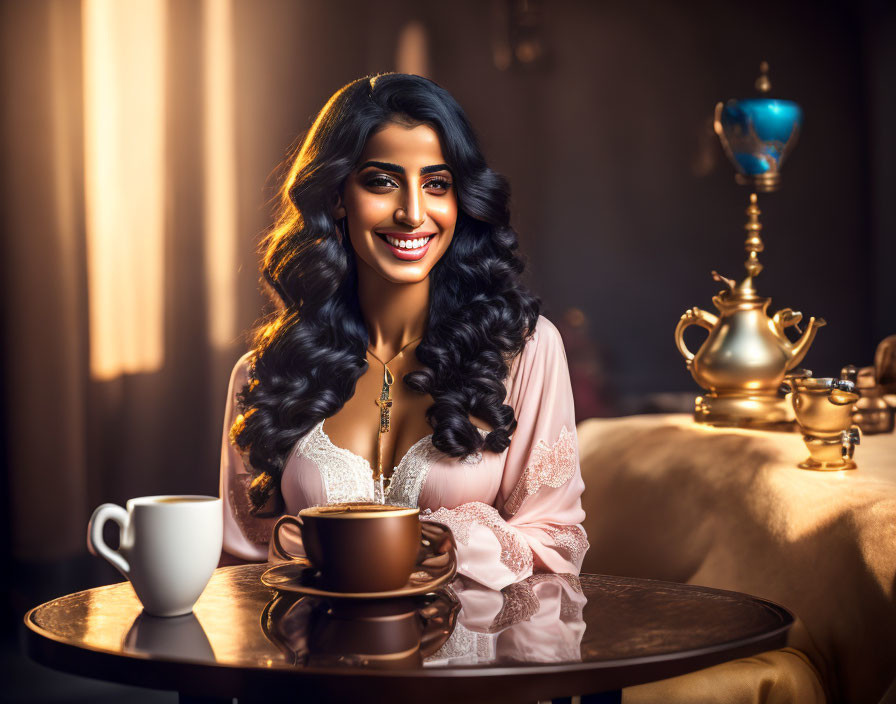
407	255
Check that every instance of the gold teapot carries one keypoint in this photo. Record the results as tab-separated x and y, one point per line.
743	361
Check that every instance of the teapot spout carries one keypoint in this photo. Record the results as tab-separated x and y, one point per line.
801	346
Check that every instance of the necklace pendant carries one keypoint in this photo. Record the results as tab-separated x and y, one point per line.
385	404
385	418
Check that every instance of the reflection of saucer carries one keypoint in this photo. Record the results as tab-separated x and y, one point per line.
384	634
300	577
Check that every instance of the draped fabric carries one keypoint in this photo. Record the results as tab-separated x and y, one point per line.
729	508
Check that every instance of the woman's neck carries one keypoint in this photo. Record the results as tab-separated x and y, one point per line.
395	314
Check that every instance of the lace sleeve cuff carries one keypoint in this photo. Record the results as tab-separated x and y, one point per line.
489	550
550	465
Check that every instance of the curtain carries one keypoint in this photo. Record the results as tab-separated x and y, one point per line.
238	84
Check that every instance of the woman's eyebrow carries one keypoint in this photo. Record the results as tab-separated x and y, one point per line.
384	165
432	169
395	168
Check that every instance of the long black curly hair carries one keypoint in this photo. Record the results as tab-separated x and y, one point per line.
308	356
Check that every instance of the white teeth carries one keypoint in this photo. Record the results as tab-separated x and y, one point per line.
408	244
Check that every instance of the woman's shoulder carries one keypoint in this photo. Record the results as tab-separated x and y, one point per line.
547	331
544	340
239	375
544	343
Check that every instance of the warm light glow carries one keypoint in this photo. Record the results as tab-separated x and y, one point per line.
412	52
220	171
124	147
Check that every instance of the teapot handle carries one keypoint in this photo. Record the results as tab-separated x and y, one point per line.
694	316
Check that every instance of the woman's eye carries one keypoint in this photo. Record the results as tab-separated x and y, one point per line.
438	184
380	181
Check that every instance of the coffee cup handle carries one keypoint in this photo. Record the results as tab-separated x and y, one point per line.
95	541
437	545
278	549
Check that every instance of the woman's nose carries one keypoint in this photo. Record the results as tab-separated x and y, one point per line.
411	213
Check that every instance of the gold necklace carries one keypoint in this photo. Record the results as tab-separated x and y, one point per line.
385	404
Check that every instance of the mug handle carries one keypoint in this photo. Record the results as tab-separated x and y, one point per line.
278	548
95	541
437	546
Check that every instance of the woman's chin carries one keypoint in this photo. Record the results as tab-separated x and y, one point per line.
383	262
408	273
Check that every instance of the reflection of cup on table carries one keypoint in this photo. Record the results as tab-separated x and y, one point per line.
178	638
358	547
169	547
380	633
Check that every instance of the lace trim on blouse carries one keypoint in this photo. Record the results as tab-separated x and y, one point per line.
345	475
407	481
570	539
348	477
551	466
516	555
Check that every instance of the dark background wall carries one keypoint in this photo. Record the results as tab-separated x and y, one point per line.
623	199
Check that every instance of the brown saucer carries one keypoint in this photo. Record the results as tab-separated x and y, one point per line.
300	577
436	565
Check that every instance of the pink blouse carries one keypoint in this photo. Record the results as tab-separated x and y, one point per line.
512	513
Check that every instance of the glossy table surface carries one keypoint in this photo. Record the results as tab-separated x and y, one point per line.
546	637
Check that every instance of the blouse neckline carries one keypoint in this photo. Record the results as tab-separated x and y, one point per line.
352	455
349	477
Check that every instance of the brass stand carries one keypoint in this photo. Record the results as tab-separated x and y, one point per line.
747	411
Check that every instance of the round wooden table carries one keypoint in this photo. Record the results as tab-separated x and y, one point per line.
550	637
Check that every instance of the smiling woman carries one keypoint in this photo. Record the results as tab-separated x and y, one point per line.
400	204
402	325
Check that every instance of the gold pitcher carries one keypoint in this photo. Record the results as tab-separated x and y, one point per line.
823	410
743	361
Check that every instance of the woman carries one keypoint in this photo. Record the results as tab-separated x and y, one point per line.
402	329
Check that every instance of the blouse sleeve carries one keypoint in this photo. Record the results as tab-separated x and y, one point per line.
245	536
535	523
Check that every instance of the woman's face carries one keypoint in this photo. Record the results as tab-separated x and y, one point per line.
400	203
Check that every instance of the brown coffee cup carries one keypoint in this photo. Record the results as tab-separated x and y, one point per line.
358	547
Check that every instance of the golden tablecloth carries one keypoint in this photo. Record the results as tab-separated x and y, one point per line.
668	499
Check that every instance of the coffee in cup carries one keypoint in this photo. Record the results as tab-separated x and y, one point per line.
358	547
169	547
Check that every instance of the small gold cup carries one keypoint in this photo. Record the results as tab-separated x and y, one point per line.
823	409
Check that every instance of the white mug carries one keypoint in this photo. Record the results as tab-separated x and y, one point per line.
170	545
